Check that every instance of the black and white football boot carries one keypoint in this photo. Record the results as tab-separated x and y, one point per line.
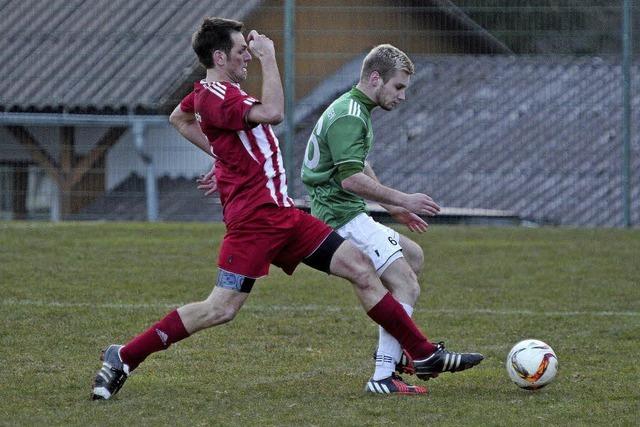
393	384
443	360
111	376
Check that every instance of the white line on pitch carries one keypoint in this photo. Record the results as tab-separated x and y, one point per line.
317	307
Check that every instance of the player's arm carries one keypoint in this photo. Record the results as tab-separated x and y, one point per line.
400	214
368	170
270	110
345	138
187	125
368	188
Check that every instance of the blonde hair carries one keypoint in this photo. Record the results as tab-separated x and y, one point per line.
385	59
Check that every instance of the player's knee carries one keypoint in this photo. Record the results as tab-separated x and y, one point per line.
418	262
363	272
217	315
226	314
414	288
355	266
415	257
410	284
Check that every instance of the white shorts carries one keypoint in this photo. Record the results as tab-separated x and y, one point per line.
379	242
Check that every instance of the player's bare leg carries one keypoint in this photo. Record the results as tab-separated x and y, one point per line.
220	307
350	263
402	282
413	254
401	279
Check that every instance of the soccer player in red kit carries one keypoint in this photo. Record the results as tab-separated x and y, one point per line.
263	225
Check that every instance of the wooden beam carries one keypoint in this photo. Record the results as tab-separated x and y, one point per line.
39	154
86	163
66	174
67	152
20	185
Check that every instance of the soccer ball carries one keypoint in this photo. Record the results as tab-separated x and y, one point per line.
532	364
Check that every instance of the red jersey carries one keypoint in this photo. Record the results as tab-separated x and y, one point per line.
249	168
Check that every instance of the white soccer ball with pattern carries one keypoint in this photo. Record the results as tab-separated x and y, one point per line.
532	364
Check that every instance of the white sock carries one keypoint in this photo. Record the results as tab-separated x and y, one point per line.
389	350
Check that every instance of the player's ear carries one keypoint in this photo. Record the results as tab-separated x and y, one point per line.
374	79
219	57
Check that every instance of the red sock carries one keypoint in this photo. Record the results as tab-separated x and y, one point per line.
158	337
389	314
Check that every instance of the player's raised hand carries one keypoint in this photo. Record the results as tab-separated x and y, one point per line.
260	45
421	204
207	182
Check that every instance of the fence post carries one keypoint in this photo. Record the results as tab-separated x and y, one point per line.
54	213
289	87
626	117
151	192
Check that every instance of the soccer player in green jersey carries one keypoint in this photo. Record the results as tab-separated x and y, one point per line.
339	179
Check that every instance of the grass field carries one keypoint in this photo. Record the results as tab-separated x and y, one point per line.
299	353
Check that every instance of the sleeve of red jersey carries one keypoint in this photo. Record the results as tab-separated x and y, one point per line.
187	104
228	109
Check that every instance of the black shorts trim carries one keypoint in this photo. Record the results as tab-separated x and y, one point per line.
321	258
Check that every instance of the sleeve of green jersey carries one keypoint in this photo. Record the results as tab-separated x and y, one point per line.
346	140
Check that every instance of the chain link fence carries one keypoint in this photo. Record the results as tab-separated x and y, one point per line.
515	106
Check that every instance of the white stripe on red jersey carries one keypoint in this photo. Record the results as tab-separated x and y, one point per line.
265	148
286	200
215	90
247	145
249	167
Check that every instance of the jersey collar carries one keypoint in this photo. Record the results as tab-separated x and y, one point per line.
362	98
203	81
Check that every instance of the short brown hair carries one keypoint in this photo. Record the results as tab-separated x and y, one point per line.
214	34
385	59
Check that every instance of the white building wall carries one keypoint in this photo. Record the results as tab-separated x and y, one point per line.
173	156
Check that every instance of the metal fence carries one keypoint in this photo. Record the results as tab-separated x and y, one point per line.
530	107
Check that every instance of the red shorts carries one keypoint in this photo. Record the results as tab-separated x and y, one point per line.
279	236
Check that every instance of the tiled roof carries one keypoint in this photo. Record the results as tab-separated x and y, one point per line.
540	136
100	55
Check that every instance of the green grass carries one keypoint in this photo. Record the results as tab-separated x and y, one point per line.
299	352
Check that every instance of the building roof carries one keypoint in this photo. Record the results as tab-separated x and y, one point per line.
536	136
129	56
100	55
540	136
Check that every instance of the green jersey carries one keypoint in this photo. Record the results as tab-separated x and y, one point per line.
337	149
